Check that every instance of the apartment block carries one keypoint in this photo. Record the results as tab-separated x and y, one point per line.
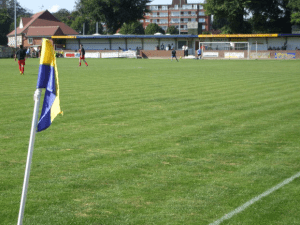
177	13
2	4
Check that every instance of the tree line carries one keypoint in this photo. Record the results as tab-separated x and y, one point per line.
254	16
230	16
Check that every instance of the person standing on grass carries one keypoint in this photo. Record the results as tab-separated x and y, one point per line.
21	55
199	53
174	55
82	55
28	53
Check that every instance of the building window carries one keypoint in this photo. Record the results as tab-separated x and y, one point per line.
175	14
148	21
174	20
195	6
185	20
164	7
203	27
193	19
201	20
201	13
187	7
154	15
185	14
154	7
30	41
200	6
163	14
176	7
163	21
154	21
193	13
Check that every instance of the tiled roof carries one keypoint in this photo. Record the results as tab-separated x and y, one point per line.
46	23
25	20
43	19
44	31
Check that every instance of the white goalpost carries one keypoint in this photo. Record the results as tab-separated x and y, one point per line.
226	50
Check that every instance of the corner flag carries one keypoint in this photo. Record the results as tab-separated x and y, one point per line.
48	78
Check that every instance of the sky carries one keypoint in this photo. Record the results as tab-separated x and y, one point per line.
35	6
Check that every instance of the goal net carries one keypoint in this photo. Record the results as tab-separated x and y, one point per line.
226	50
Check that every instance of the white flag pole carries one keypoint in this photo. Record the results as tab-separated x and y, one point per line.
37	96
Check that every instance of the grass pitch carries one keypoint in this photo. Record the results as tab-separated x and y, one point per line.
154	142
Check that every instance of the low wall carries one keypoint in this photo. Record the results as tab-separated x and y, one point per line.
237	54
218	54
148	54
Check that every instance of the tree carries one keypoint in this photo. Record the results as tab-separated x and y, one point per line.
294	5
64	16
114	13
77	25
132	28
256	16
270	16
153	28
219	23
172	30
12	24
235	12
5	21
20	11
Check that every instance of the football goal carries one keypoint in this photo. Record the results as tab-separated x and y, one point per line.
226	50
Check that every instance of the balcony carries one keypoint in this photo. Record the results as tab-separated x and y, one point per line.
159	16
164	22
158	9
183	9
189	16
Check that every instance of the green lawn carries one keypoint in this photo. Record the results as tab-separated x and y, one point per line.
154	142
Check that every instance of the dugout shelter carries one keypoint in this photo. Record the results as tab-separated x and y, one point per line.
264	46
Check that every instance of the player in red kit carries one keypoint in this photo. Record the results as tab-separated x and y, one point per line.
82	55
21	54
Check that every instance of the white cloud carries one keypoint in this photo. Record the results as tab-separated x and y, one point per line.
54	8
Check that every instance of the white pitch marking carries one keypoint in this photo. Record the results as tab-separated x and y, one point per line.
253	200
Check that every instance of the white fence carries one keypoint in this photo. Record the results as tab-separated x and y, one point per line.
126	54
120	54
77	55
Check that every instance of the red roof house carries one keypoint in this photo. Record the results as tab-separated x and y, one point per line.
32	30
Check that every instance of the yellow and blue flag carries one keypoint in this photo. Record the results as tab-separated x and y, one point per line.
48	79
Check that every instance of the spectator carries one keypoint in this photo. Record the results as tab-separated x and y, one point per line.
172	47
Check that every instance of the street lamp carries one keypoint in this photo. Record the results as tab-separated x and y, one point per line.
179	16
15	23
